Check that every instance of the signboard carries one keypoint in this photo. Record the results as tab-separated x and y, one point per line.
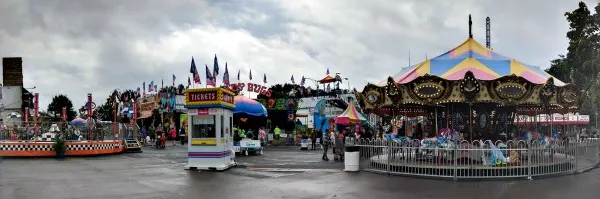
183	123
202	111
202	96
251	87
557	118
226	97
209	98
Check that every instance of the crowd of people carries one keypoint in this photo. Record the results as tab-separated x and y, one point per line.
158	136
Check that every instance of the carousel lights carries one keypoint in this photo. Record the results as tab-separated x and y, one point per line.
438	90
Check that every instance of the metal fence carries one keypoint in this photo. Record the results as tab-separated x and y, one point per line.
47	132
477	159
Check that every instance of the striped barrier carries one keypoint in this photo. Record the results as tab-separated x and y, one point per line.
44	149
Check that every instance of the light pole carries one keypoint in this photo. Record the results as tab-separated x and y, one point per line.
345	78
596	122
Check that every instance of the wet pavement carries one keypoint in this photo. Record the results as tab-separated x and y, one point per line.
284	172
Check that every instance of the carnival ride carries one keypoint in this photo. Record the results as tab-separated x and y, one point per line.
467	98
125	105
247	108
326	110
83	137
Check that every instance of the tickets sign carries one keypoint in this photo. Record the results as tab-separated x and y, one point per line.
202	96
209	98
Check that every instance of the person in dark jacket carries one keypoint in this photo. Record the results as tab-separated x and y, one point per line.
313	139
326	143
182	135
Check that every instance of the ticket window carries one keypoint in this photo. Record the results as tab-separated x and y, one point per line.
203	127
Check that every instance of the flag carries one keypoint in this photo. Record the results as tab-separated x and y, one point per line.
250	74
215	67
189	81
194	72
151	86
265	78
210	80
238	75
139	92
327	71
226	75
162	83
302	81
144	87
293	82
156	88
174	79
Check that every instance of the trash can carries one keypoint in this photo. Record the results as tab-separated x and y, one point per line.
351	158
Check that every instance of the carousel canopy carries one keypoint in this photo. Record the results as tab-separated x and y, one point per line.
350	116
247	107
484	63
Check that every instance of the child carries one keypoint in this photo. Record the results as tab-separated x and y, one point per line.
163	140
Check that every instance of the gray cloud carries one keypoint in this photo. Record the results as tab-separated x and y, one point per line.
75	47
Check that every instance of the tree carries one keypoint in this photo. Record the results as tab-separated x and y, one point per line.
570	68
55	108
581	64
105	111
284	91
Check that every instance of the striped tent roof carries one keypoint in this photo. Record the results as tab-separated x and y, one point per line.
484	63
350	116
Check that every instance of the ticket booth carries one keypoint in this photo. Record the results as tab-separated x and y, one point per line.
210	120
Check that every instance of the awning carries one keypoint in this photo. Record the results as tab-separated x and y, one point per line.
302	113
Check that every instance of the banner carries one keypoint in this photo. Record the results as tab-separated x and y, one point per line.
36	106
26	114
183	123
279	104
251	87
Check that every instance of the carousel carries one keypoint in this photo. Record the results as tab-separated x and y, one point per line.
464	107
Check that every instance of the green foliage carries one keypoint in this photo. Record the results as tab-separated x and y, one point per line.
55	108
581	64
293	91
105	111
60	144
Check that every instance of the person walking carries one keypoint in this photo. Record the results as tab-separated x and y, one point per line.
276	133
262	135
173	134
313	139
163	140
182	135
326	144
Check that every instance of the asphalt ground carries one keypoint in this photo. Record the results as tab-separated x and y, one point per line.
282	172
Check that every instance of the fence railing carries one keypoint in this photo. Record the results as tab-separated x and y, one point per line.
47	132
477	159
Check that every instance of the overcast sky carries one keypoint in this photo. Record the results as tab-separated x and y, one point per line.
75	47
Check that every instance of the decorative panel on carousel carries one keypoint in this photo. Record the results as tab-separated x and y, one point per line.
455	95
373	96
510	90
569	97
429	89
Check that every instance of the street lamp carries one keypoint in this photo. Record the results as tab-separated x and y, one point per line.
345	78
